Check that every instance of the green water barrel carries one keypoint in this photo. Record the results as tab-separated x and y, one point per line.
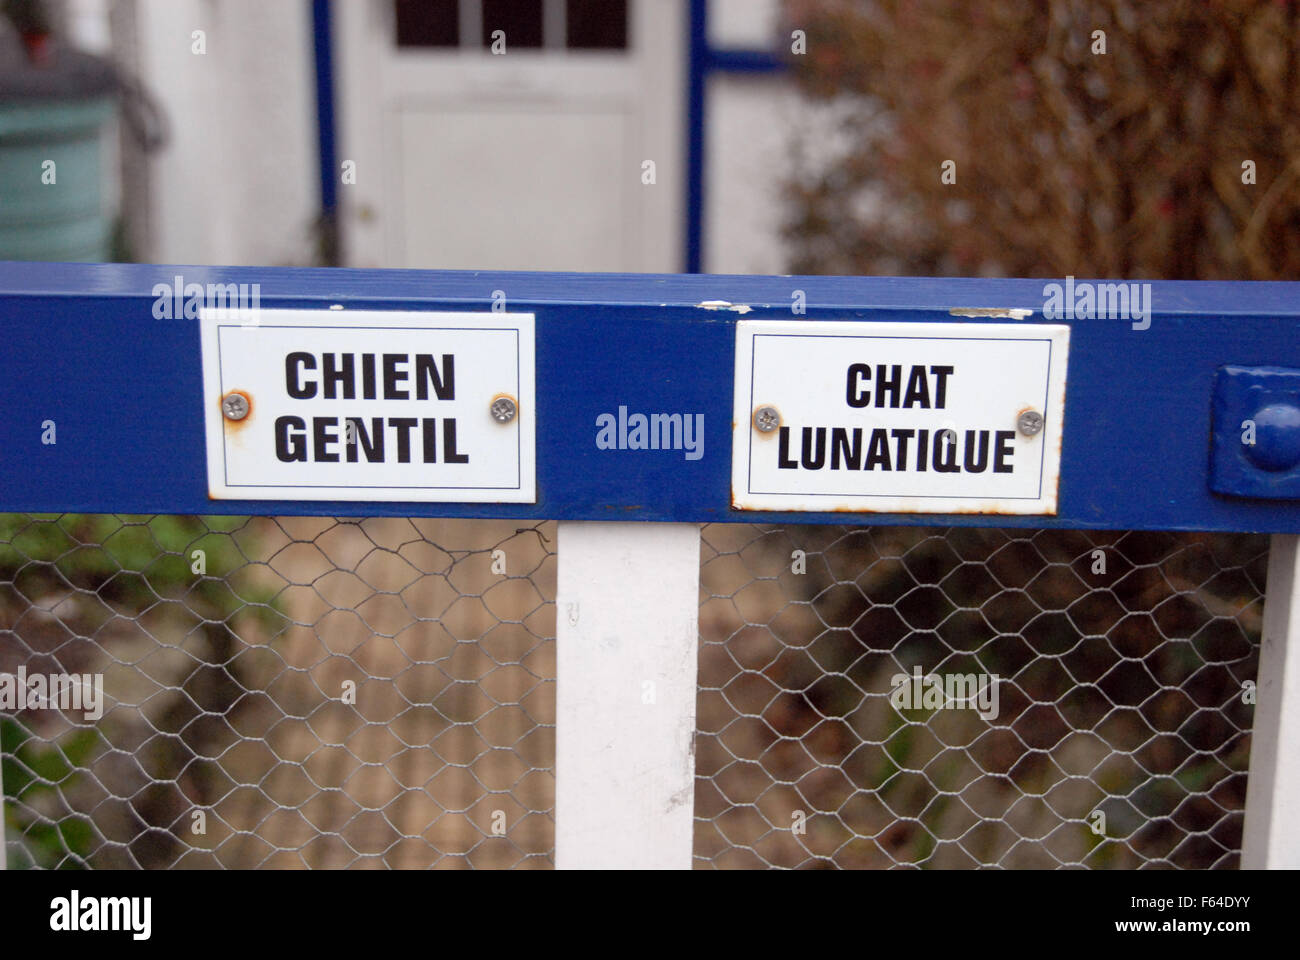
52	122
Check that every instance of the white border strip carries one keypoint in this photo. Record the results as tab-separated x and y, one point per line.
1271	834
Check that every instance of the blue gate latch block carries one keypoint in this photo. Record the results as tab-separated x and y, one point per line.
1255	436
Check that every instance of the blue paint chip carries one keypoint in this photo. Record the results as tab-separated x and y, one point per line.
1255	437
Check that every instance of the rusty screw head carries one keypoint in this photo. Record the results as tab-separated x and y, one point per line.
503	409
234	406
1029	423
766	419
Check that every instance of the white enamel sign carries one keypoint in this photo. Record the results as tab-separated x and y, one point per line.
898	417
369	405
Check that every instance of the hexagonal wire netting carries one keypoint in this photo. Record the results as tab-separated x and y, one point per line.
281	692
1121	734
336	693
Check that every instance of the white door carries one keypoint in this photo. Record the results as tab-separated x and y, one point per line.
531	159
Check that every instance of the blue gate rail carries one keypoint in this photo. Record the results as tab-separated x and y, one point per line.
79	345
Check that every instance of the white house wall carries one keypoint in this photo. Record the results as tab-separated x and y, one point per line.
238	182
744	24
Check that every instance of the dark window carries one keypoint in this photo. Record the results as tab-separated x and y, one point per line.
596	24
520	20
428	23
553	24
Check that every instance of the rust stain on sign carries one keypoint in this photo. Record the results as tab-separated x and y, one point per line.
236	426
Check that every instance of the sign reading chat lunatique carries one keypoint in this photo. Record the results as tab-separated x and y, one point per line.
898	417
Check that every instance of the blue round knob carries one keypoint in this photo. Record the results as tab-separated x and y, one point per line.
1277	437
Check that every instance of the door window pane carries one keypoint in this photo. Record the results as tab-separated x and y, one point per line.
596	24
428	23
521	20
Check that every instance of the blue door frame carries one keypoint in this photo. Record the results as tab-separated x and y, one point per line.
703	61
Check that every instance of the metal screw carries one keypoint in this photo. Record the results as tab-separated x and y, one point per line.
1030	422
234	406
503	409
766	419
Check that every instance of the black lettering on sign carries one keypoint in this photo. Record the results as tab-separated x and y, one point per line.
323	439
449	442
902	436
941	385
388	376
943	451
290	439
857	396
918	389
878	451
890	392
338	379
817	459
337	372
783	461
972	465
426	372
887	384
840	448
294	364
368	376
1003	439
403	426
394	376
370	442
896	386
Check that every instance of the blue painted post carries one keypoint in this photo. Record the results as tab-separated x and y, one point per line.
323	49
697	70
702	60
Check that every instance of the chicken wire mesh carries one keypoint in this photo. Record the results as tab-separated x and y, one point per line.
1121	736
280	692
1121	658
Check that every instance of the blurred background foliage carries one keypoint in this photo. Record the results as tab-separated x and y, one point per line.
1126	165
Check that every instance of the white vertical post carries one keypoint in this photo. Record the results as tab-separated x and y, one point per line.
1272	829
627	631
